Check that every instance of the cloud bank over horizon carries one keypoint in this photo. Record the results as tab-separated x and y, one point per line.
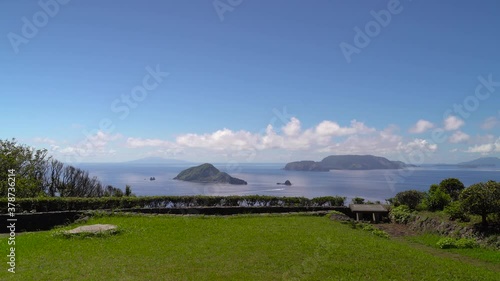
288	142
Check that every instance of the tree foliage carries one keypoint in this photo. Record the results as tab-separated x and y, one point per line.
482	199
29	166
410	198
437	198
453	187
358	200
37	174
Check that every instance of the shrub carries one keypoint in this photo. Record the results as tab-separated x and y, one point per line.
462	243
437	199
358	200
455	211
446	243
368	227
400	214
330	213
49	204
465	243
380	233
410	198
328	201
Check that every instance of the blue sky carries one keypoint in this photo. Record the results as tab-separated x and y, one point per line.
252	81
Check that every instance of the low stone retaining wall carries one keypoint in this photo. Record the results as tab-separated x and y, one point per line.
38	221
426	224
47	220
235	210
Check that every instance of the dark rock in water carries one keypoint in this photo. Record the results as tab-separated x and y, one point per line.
287	182
207	173
152	178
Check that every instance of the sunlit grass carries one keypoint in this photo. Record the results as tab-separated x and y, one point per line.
247	247
488	255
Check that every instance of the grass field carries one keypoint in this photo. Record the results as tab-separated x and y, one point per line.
431	240
273	247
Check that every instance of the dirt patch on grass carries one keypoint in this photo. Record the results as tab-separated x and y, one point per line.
395	230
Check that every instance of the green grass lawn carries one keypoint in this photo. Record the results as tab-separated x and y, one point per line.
294	247
430	240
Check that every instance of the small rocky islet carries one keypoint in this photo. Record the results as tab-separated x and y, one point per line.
207	173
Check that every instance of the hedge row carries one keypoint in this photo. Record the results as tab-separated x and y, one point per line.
49	204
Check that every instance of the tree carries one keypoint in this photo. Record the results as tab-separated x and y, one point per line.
437	198
28	164
53	177
112	191
453	187
37	174
358	200
482	199
410	198
128	190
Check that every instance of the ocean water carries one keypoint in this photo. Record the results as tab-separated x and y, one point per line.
262	178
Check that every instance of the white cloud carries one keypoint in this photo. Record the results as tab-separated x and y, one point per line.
329	128
486	148
421	126
292	128
44	140
417	145
325	137
220	140
93	145
483	149
139	142
452	123
458	136
490	123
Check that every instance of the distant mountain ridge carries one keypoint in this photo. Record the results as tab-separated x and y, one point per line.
156	160
346	162
482	162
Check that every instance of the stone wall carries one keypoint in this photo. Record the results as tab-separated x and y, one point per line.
431	225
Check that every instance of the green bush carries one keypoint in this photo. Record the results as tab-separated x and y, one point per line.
410	198
328	201
400	214
49	204
380	233
465	243
462	243
330	213
368	227
446	243
358	200
455	211
437	199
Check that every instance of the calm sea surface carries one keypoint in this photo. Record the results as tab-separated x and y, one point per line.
262	178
